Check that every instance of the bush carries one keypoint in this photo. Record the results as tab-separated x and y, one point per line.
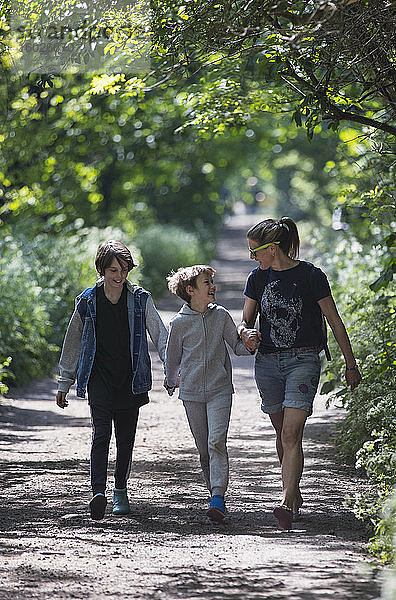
389	585
165	248
4	372
371	417
24	321
367	435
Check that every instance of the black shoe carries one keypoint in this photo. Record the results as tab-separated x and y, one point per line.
97	506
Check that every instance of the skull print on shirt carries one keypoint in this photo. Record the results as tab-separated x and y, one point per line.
283	312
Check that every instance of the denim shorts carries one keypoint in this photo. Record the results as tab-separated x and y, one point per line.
289	378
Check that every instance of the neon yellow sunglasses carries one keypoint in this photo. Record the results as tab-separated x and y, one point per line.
254	250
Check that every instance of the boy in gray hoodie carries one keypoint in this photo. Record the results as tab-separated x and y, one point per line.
196	352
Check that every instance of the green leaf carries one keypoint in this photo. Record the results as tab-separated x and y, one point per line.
297	118
390	240
383	280
327	387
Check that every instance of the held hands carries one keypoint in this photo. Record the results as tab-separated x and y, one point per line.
251	339
61	399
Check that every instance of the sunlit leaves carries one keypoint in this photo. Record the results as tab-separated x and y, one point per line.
107	83
320	57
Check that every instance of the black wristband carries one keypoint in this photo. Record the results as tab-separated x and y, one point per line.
351	368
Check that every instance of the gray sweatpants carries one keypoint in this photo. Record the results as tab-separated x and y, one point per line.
209	425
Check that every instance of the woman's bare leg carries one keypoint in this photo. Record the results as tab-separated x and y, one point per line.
293	457
277	422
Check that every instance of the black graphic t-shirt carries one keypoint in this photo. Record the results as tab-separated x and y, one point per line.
290	316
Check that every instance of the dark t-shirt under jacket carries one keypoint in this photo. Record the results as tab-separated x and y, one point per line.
110	383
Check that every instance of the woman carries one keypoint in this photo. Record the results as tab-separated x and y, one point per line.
290	296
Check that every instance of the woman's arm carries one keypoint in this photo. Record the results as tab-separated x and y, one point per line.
330	311
250	337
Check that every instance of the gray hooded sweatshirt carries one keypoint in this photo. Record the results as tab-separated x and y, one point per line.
196	350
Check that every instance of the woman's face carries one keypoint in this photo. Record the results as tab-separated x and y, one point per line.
265	256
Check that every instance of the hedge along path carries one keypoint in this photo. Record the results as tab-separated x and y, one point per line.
165	549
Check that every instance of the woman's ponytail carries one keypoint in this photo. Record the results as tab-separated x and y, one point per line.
283	230
290	243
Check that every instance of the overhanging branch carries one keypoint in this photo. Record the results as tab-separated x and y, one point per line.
344	115
333	110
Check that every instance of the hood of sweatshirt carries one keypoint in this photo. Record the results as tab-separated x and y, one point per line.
186	310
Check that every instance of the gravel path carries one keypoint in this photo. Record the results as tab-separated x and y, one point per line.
165	549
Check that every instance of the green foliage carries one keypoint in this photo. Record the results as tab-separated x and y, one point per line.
166	248
93	160
4	372
372	507
74	36
367	435
376	211
24	321
370	426
389	584
318	61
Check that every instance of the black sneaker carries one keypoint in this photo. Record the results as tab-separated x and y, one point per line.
97	506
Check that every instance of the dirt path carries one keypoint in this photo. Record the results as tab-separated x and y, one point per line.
164	549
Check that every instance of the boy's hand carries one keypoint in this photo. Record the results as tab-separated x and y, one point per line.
170	390
61	399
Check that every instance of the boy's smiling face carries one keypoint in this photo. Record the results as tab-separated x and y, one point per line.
115	275
203	293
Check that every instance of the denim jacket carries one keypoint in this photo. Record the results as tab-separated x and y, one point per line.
79	346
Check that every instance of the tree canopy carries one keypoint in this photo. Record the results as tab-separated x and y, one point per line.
206	68
321	61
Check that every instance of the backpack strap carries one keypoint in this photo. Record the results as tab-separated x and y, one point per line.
325	346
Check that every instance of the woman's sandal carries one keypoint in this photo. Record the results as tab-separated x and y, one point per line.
284	516
296	515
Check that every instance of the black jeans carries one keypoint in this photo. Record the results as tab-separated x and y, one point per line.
125	422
